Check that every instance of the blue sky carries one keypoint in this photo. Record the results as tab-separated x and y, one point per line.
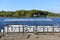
12	5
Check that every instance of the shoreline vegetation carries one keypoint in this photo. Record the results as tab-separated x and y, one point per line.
28	14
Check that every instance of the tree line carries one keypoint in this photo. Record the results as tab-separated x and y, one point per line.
28	13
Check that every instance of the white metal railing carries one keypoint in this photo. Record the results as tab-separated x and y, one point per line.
32	29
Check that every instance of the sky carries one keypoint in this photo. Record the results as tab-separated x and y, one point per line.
47	5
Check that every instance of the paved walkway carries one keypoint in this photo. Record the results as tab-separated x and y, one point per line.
44	37
32	36
15	36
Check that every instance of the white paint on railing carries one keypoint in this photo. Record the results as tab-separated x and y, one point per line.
15	28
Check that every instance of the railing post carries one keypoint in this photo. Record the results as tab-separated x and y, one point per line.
23	30
43	29
35	30
59	29
11	29
47	29
7	29
53	29
19	29
3	31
